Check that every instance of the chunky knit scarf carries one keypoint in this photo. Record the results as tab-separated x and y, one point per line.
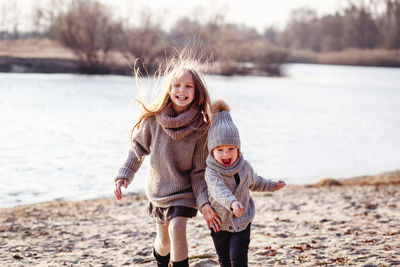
179	126
226	171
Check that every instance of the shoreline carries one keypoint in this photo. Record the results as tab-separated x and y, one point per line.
58	65
301	225
37	55
380	179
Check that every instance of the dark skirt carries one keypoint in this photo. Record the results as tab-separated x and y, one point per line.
164	215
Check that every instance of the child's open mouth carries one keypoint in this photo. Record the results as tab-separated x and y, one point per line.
226	162
181	97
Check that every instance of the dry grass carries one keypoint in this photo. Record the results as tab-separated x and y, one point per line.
46	48
386	178
48	56
34	48
361	57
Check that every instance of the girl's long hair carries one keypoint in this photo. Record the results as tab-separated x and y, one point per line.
174	67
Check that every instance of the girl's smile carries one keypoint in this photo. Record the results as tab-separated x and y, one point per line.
182	97
182	92
225	155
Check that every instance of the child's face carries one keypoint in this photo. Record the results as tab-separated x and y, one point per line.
225	155
182	92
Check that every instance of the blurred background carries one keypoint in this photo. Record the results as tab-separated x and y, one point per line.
244	37
314	86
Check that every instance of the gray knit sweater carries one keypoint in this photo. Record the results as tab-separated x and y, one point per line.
223	191
176	176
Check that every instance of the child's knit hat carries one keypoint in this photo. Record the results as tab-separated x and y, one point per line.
222	131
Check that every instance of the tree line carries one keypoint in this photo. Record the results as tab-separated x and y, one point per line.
363	24
92	32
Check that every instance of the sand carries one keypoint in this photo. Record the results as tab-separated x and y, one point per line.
341	225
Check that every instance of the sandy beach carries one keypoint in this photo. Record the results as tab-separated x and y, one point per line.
333	223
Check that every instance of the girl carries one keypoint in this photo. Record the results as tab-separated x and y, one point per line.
229	178
174	130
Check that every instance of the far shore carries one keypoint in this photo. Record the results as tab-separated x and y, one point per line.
336	222
47	56
73	66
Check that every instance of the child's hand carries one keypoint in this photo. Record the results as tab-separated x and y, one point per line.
118	184
279	185
237	208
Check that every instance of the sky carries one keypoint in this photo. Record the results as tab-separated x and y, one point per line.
254	13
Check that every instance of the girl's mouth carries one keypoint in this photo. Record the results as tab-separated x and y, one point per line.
226	162
181	97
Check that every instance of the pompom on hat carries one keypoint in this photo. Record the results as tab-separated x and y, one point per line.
222	131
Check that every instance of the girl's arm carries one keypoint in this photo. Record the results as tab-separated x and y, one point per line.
199	185
140	148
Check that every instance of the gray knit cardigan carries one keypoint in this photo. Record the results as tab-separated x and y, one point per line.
223	191
176	175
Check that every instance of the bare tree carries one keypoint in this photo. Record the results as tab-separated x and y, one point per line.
389	24
331	33
9	20
203	37
87	29
300	30
359	28
15	19
3	20
359	25
184	30
145	43
266	57
44	15
271	34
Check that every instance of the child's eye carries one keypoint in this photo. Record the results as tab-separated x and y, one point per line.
175	85
231	148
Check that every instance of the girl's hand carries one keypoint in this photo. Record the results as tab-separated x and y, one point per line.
279	185
211	217
118	184
237	208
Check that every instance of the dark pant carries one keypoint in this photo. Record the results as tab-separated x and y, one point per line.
232	247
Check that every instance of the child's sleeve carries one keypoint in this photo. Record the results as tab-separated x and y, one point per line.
199	185
140	148
260	184
218	189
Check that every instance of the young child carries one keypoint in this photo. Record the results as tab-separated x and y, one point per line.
174	132
229	178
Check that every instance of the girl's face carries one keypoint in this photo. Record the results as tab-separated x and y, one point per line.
182	92
225	155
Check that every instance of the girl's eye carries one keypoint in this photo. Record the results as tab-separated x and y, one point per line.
175	85
232	148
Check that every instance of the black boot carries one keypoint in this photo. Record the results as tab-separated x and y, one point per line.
162	261
184	263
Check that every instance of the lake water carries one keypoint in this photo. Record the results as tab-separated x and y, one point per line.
64	136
